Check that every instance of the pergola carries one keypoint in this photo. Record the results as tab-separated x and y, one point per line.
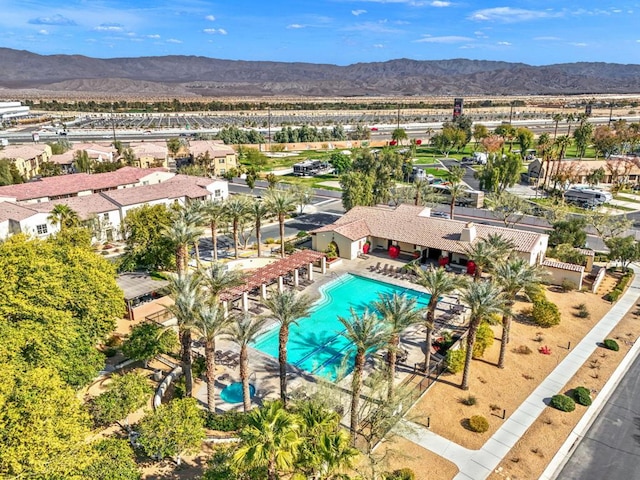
275	272
138	287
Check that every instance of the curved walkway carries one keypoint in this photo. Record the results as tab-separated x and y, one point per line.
479	464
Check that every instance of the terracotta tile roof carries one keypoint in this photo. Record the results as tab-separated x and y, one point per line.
405	224
74	183
176	187
352	230
586	251
85	206
216	148
149	149
12	211
65	158
24	152
571	267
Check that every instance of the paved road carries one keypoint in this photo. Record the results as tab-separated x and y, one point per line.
469	175
611	447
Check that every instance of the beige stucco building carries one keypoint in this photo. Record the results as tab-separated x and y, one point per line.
216	157
27	158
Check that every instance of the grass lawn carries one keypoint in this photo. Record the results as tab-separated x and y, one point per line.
313	182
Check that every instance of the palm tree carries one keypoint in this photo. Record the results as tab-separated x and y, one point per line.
270	440
214	212
194	213
286	308
456	190
482	255
243	331
258	212
217	278
185	291
484	299
64	216
181	232
365	332
326	445
398	312
438	282
281	203
236	210
514	277
210	322
502	247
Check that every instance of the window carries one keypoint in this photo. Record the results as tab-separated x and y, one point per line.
221	160
146	182
223	171
42	229
105	216
217	193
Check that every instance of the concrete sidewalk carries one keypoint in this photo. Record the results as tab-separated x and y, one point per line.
478	464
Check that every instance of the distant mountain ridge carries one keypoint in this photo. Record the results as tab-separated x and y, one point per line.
203	76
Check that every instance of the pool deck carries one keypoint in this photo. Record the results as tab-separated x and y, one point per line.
265	369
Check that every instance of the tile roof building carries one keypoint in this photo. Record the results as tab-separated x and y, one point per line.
27	158
413	230
216	157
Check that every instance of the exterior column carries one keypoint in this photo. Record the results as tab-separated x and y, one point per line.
245	301
296	278
323	265
263	291
310	272
225	309
280	284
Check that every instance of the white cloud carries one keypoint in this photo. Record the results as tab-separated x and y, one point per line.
440	3
509	15
211	18
379	45
295	25
43	32
213	31
358	12
174	40
547	39
154	36
506	44
53	20
375	27
109	27
578	44
222	31
445	39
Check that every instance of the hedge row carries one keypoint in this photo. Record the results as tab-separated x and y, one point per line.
614	294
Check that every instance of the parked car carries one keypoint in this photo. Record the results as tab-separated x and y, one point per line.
440	215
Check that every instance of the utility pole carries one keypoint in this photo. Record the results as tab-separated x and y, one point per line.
398	115
610	113
113	126
269	124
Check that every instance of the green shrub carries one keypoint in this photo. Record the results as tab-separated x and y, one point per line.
478	424
230	421
270	241
567	285
613	295
455	360
484	340
110	352
583	311
198	367
611	344
545	313
469	401
401	474
301	234
563	403
535	292
582	396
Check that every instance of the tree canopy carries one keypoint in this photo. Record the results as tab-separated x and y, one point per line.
146	245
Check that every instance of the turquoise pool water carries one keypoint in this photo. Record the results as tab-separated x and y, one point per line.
233	393
315	344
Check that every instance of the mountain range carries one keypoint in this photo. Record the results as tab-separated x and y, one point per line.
178	75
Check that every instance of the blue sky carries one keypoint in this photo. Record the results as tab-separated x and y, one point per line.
328	31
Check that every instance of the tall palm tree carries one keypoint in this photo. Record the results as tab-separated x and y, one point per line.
484	299
214	212
244	330
64	216
210	322
270	440
281	203
258	212
502	247
185	291
365	332
438	282
456	190
217	278
194	213
182	233
561	143
237	211
286	308
514	277
398	312
482	255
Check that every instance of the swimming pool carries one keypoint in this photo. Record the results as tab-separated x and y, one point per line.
315	344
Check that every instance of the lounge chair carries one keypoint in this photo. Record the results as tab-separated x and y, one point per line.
385	269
